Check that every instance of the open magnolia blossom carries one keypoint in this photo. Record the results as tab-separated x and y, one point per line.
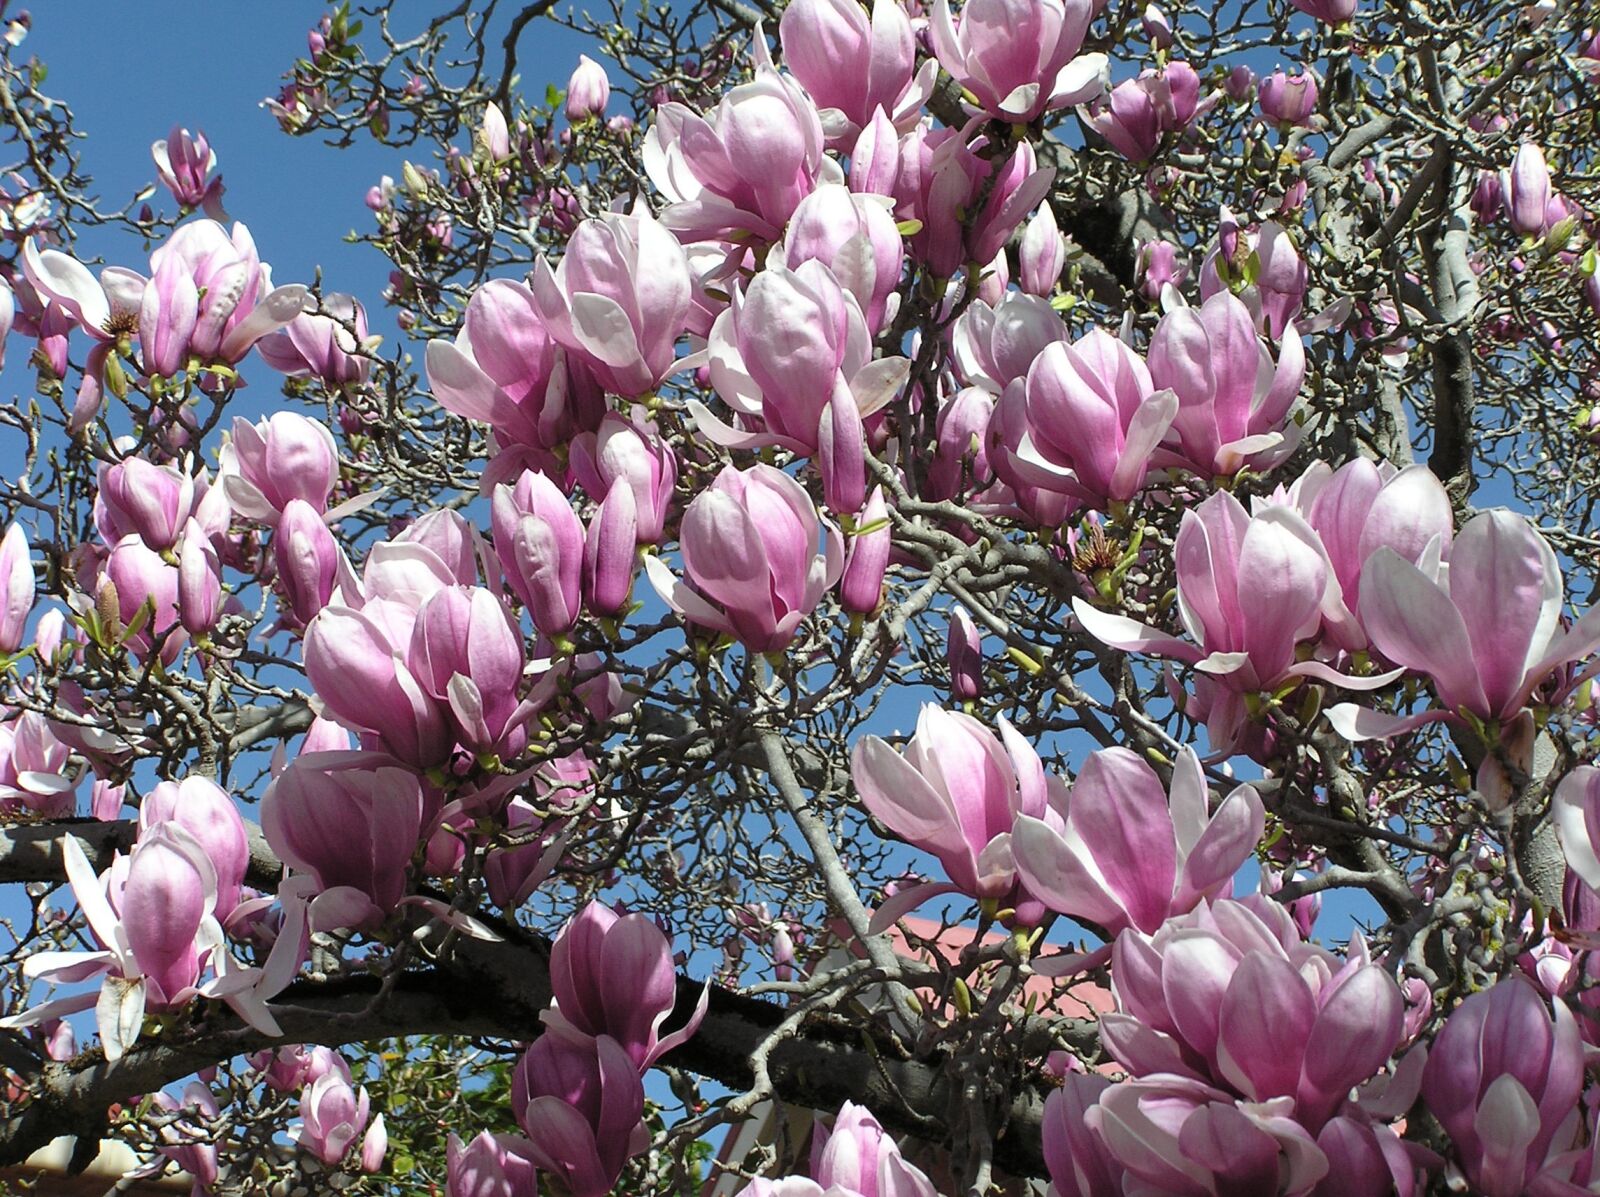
154	913
1116	706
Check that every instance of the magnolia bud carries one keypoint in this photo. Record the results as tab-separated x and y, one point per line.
964	656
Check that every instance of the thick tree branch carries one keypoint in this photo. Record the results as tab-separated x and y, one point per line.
497	990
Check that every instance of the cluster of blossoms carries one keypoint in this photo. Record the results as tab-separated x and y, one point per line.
796	374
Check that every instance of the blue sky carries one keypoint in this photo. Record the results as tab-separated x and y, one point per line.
129	72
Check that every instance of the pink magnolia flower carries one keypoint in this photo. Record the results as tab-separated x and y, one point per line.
613	975
332	1116
1075	1154
1139	112
942	175
34	768
855	237
1118	852
68	295
867	558
1173	1135
1288	99
749	545
792	357
182	164
330	345
856	1155
201	600
1486	629
619	298
1042	255
296	1065
1233	400
1093	419
210	285
992	347
1280	276
1527	192
1361	507
745	166
960	452
1504	1079
610	553
489	1166
466	653
1160	264
152	501
580	1102
1251	590
507	370
540	542
349	821
853	65
1576	811
190	1145
146	590
284	457
636	455
204	810
1019	58
357	662
963	654
309	563
875	156
956	790
588	90
1229	995
153	912
106	308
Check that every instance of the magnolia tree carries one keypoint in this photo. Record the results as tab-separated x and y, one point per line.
477	769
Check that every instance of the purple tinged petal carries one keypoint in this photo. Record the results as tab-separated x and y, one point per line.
610	552
1228	840
163	901
638	983
1576	810
204	810
841	451
898	795
1266	1018
1281	580
1119	809
861	586
355	669
1058	874
1506	585
1412	621
167	318
1507	1126
1527	190
1195	976
199	581
725	557
1357	1029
